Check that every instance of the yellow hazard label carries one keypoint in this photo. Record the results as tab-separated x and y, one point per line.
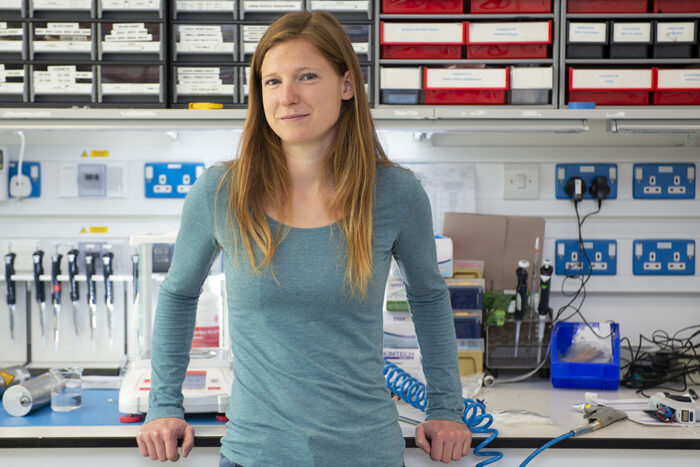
84	154
98	229
8	378
99	153
83	230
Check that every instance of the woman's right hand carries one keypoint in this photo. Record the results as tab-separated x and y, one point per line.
157	439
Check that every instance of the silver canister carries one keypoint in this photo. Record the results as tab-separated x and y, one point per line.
31	395
12	375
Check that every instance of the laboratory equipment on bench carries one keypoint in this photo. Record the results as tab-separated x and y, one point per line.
107	272
671	408
11	376
520	299
91	293
11	296
543	308
56	295
40	291
72	257
28	396
209	375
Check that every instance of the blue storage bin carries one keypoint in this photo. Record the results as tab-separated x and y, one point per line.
583	375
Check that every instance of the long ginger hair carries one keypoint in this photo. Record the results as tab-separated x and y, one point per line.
259	174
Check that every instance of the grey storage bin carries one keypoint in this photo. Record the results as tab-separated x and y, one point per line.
360	37
69	41
73	10
13	40
13	9
204	10
13	83
133	41
268	9
352	10
62	84
211	83
674	39
132	84
204	42
530	86
586	39
400	85
131	9
250	36
630	40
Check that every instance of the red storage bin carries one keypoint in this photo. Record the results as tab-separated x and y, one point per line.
611	86
403	7
510	6
465	86
508	40
410	41
677	86
606	6
676	6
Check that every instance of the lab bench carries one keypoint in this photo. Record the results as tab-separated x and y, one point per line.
94	433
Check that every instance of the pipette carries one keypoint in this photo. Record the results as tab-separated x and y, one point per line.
543	307
520	299
38	259
109	291
56	295
11	290
72	257
91	293
135	274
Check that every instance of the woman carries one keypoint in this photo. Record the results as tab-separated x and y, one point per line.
308	218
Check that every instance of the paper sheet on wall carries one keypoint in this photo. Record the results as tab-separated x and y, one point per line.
450	187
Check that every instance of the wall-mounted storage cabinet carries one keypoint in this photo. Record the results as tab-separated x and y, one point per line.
515	54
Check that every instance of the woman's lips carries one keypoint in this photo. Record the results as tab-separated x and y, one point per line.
294	117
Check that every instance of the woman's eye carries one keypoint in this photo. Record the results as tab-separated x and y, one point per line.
308	76
271	82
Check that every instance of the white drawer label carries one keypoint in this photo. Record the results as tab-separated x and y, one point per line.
131	4
423	33
466	78
678	79
131	46
128	32
675	32
531	78
11	46
339	5
130	88
7	32
489	33
11	88
63	46
632	32
588	32
360	47
400	78
41	87
611	79
59	29
272	5
253	33
205	88
189	5
62	4
201	34
203	47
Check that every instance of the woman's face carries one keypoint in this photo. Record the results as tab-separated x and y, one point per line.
302	95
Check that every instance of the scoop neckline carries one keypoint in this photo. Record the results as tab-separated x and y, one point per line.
302	229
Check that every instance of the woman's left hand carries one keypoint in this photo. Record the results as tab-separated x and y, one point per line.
444	440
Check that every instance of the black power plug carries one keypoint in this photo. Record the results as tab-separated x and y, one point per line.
600	189
575	188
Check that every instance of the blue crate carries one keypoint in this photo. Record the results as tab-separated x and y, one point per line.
583	375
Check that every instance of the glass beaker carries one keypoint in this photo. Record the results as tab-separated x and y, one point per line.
66	389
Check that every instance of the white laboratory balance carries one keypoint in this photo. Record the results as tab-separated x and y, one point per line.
207	384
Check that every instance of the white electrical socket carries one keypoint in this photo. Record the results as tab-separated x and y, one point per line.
521	181
22	189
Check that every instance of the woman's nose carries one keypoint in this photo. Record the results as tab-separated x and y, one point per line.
289	94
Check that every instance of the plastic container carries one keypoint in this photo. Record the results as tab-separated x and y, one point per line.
530	86
131	84
13	35
71	41
606	6
610	86
411	41
203	10
467	324
674	40
510	6
676	6
467	86
204	84
13	83
344	11
586	40
677	86
134	41
583	375
64	84
421	7
204	42
508	40
630	40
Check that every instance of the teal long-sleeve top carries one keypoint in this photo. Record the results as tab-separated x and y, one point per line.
308	388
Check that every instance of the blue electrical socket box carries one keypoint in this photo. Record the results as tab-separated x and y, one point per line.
664	181
587	172
666	257
31	183
602	255
171	179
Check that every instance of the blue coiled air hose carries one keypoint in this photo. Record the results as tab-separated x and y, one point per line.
412	391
